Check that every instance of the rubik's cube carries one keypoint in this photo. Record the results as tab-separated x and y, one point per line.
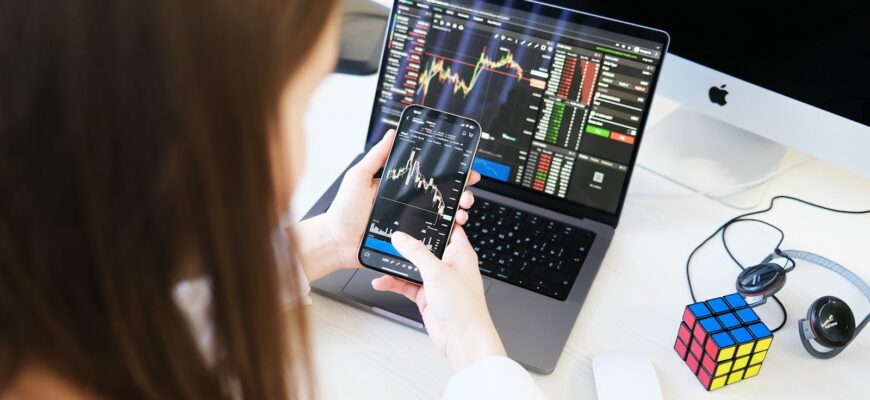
722	340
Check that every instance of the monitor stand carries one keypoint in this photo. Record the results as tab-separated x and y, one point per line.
710	156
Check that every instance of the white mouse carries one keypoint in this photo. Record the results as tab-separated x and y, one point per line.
622	376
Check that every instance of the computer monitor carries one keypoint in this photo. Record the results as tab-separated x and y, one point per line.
795	74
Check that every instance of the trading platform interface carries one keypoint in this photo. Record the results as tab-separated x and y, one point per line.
420	187
560	104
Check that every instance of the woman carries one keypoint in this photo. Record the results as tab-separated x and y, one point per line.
147	152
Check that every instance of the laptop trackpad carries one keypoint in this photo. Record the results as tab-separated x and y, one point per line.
359	287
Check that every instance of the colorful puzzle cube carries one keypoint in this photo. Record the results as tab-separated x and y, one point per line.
722	341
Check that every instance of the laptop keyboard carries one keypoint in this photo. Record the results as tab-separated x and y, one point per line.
527	250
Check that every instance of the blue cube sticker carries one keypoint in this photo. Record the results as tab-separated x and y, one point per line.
741	335
723	339
735	300
700	310
747	315
710	325
760	331
718	305
729	320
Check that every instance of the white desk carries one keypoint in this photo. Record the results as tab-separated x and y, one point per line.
638	297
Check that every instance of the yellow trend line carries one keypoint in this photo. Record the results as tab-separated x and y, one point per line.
436	69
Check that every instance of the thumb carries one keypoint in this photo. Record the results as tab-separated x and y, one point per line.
462	255
375	158
417	253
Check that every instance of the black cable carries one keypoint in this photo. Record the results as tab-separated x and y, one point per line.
741	217
790	263
776	249
728	250
784	315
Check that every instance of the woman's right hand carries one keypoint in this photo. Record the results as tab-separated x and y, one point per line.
451	299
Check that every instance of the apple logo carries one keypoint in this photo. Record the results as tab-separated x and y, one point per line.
717	95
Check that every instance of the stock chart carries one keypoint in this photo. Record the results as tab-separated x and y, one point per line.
559	106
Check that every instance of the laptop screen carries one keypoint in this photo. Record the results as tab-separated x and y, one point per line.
561	96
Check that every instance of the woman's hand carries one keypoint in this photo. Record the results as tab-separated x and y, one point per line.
331	241
451	299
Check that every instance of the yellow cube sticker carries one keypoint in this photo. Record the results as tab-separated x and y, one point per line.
724	368
725	354
718	382
763	344
752	371
735	377
741	362
757	358
744	349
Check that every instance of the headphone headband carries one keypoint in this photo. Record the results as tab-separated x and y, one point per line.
827	263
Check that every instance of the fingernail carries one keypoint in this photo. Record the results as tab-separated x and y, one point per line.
399	237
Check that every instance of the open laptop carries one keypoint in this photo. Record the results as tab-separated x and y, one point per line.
562	97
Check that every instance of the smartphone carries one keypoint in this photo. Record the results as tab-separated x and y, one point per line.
425	174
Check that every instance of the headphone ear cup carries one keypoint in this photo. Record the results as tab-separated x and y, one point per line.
831	321
761	280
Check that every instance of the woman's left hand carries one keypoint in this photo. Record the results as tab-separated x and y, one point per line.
331	241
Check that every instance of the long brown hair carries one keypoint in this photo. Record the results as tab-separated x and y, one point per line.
134	136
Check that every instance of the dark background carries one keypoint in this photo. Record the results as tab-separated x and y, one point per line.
815	52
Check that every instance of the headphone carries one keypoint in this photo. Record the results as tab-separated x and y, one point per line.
829	322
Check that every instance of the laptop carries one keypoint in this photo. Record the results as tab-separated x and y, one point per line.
562	97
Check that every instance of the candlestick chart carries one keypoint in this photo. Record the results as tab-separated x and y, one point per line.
414	179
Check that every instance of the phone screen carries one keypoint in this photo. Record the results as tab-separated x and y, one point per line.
420	187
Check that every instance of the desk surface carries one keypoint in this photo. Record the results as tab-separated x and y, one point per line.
637	300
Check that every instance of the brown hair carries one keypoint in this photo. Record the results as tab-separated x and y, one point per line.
134	135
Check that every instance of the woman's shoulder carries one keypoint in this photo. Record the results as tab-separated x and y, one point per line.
38	383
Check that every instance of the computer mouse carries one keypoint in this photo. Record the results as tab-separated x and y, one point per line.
623	376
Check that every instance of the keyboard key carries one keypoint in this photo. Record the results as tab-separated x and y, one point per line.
519	280
485	269
488	256
558	293
554	264
549	274
554	251
503	273
523	267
